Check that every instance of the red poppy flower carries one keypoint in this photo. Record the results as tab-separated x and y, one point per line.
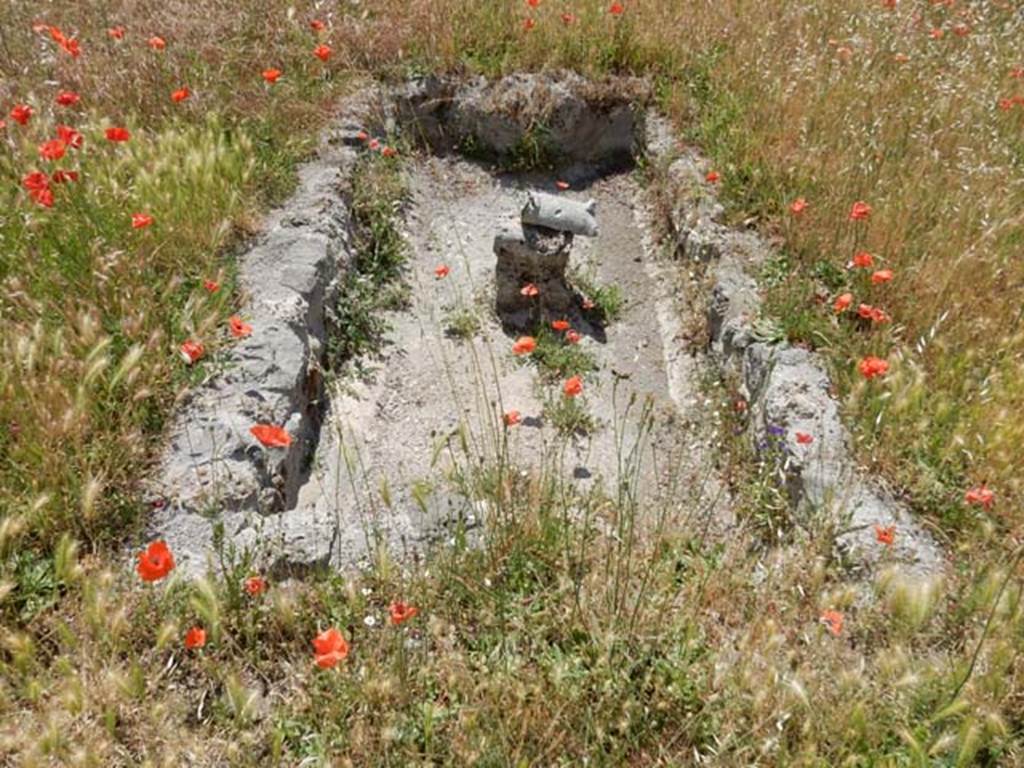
155	562
389	152
980	495
843	303
511	418
568	18
879	316
573	337
533	3
61	177
441	271
157	43
330	648
961	30
798	206
38	186
864	311
804	439
860	211
271	436
317	26
560	325
70	136
529	290
363	136
863	259
529	24
322	52
712	177
255	585
617	9
43	196
1017	72
239	329
180	95
871	367
885	534
68	98
833	621
524	345
117	134
211	285
936	34
882	276
562	185
22	113
401	612
195	638
117	33
141	220
70	45
374	144
271	75
573	387
52	150
192	351
35	181
1005	104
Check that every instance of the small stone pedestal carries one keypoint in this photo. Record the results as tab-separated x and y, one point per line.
536	251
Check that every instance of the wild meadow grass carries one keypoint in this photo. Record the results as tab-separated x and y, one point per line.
555	640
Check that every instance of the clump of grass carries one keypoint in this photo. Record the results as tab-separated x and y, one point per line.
569	416
557	358
533	151
608	300
374	281
462	323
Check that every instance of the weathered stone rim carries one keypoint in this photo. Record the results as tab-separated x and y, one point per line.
217	485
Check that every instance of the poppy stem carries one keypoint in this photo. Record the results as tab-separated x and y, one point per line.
988	622
8	63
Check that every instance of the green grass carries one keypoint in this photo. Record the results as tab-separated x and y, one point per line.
558	359
580	629
375	280
462	323
607	299
569	415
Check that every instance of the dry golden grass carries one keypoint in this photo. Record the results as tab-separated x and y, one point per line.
519	655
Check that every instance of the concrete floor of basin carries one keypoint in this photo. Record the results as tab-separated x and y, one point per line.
392	437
